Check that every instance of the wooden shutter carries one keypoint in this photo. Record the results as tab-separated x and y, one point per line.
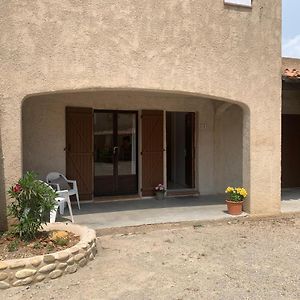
79	149
152	150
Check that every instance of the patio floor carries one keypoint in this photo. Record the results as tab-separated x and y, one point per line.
176	209
150	211
290	200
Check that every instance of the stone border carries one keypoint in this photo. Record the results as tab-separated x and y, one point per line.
25	271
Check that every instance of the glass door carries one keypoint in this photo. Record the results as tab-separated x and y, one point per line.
115	153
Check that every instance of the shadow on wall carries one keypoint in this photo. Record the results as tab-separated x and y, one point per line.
229	147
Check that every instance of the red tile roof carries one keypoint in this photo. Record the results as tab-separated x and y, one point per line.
291	74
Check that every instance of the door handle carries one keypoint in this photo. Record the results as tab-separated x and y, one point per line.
115	150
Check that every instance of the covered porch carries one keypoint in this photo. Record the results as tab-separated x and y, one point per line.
191	144
215	139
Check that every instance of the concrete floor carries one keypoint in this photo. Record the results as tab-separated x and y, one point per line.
150	211
178	209
290	200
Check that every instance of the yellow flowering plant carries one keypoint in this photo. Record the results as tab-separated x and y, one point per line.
236	194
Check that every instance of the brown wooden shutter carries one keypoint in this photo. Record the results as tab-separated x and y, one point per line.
152	150
79	149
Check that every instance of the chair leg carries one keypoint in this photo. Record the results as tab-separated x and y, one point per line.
70	208
53	214
62	207
77	197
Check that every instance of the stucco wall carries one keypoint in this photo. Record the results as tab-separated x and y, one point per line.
229	148
43	123
200	47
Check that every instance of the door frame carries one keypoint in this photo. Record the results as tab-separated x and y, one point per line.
115	129
195	188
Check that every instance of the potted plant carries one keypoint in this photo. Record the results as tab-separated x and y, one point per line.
160	192
235	199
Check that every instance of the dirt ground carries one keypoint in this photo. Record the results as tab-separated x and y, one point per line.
245	259
12	247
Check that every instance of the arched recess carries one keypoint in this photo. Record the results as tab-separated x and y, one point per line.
228	146
220	131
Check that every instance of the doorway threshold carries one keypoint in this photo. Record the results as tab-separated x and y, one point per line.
121	198
182	193
116	198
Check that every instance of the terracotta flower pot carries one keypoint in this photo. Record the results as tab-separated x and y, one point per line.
234	208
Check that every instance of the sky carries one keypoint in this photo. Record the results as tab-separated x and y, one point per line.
291	28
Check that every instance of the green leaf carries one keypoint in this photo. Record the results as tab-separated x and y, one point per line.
31	205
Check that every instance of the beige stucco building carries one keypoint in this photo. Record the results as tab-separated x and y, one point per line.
208	69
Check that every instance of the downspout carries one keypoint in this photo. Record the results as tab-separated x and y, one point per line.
3	209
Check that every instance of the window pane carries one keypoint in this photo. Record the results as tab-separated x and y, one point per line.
126	144
103	143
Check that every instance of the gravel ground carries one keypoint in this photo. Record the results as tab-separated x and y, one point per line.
240	259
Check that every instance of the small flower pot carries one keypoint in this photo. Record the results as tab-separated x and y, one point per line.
160	195
234	208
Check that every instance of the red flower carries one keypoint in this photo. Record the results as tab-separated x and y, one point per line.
17	188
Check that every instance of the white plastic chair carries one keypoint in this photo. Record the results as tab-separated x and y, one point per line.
72	191
61	200
63	197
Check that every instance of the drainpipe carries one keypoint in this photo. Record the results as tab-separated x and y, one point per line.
3	208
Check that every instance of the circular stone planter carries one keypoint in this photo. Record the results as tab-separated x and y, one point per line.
25	271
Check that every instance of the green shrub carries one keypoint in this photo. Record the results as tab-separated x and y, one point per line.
13	246
33	200
61	241
49	248
37	245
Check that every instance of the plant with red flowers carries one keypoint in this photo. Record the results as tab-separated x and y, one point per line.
17	188
33	200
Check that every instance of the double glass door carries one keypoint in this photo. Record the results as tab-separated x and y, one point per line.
115	153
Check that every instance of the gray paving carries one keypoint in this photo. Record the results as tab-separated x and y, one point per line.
150	211
178	209
290	200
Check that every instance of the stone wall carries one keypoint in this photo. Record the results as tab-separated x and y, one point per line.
25	271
